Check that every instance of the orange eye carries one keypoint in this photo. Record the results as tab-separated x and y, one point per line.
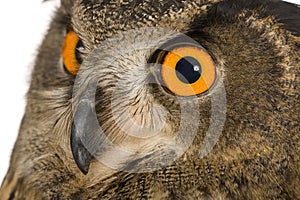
70	55
188	71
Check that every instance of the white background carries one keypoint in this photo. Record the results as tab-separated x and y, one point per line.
23	24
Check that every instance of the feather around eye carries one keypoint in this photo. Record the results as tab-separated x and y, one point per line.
70	55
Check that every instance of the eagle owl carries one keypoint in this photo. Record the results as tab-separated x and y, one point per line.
163	100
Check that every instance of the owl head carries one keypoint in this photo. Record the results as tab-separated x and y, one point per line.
163	99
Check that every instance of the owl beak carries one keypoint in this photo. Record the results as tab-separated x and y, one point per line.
81	131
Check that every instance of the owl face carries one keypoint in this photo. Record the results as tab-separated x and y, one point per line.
166	99
143	105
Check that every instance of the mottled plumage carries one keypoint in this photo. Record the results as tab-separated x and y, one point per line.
255	46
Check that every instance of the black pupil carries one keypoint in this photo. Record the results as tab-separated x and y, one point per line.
188	70
77	53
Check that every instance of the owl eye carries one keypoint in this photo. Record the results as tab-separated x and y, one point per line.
188	71
70	54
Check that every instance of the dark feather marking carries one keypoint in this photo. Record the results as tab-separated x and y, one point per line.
287	14
16	188
12	195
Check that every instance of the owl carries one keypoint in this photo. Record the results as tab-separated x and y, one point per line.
162	99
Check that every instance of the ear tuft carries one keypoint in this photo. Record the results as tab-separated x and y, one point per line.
67	5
